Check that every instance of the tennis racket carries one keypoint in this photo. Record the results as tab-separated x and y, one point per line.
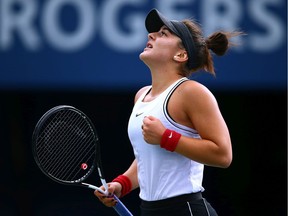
66	148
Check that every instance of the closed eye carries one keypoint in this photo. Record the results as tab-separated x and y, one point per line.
164	31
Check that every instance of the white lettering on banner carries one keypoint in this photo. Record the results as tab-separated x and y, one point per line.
22	23
69	41
274	27
31	19
170	8
228	18
111	31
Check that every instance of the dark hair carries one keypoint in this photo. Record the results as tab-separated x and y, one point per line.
218	43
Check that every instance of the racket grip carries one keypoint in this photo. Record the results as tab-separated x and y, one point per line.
120	208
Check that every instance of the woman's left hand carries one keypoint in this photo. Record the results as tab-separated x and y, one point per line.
152	130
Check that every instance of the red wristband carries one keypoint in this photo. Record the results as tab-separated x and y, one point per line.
170	140
126	184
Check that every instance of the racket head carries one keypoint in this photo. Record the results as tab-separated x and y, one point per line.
65	145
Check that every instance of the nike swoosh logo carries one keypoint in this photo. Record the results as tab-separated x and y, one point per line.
170	136
138	114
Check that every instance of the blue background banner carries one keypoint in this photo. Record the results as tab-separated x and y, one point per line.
85	53
86	44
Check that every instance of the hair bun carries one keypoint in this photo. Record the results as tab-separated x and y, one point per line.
218	43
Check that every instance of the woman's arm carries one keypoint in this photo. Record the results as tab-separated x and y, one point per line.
116	187
194	106
214	147
131	173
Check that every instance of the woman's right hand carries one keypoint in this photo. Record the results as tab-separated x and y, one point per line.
109	200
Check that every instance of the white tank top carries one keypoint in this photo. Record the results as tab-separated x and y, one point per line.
161	173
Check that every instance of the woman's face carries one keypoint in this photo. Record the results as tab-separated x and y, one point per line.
161	47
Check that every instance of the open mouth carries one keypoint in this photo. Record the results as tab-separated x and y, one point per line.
148	45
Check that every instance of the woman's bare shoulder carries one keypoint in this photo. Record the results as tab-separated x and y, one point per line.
194	91
192	87
140	92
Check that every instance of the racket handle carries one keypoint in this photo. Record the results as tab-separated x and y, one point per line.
120	208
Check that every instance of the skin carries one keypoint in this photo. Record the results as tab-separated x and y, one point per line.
192	105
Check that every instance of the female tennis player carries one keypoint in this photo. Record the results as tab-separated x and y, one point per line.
176	126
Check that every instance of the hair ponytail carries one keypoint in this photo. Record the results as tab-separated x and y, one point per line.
218	42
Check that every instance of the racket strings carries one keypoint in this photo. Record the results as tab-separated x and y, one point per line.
66	143
53	138
62	143
51	134
69	154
